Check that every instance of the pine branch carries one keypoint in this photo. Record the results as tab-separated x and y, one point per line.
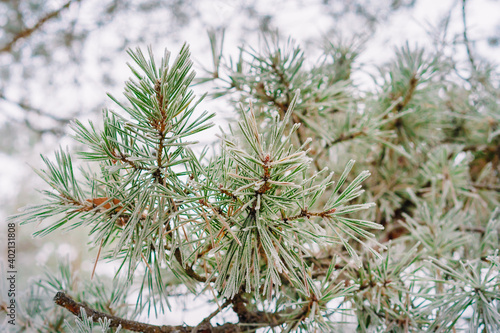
74	307
29	31
250	319
160	126
255	222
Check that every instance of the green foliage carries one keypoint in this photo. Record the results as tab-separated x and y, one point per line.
262	225
86	324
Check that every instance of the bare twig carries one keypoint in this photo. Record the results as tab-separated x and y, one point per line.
55	130
41	131
29	31
466	38
213	314
29	108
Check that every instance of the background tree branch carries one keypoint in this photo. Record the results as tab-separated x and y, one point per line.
29	31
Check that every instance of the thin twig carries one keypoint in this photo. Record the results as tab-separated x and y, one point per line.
489	187
468	228
308	214
255	319
29	31
216	312
189	269
97	259
409	93
466	38
29	108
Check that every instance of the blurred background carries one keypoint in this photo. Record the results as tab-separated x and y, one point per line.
59	58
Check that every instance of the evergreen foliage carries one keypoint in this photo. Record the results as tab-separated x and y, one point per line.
404	240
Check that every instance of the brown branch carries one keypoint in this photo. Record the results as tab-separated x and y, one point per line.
267	175
28	108
125	159
189	269
160	125
213	314
466	38
257	319
489	187
29	31
74	307
3	307
468	228
249	319
342	137
229	194
409	94
308	214
57	131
